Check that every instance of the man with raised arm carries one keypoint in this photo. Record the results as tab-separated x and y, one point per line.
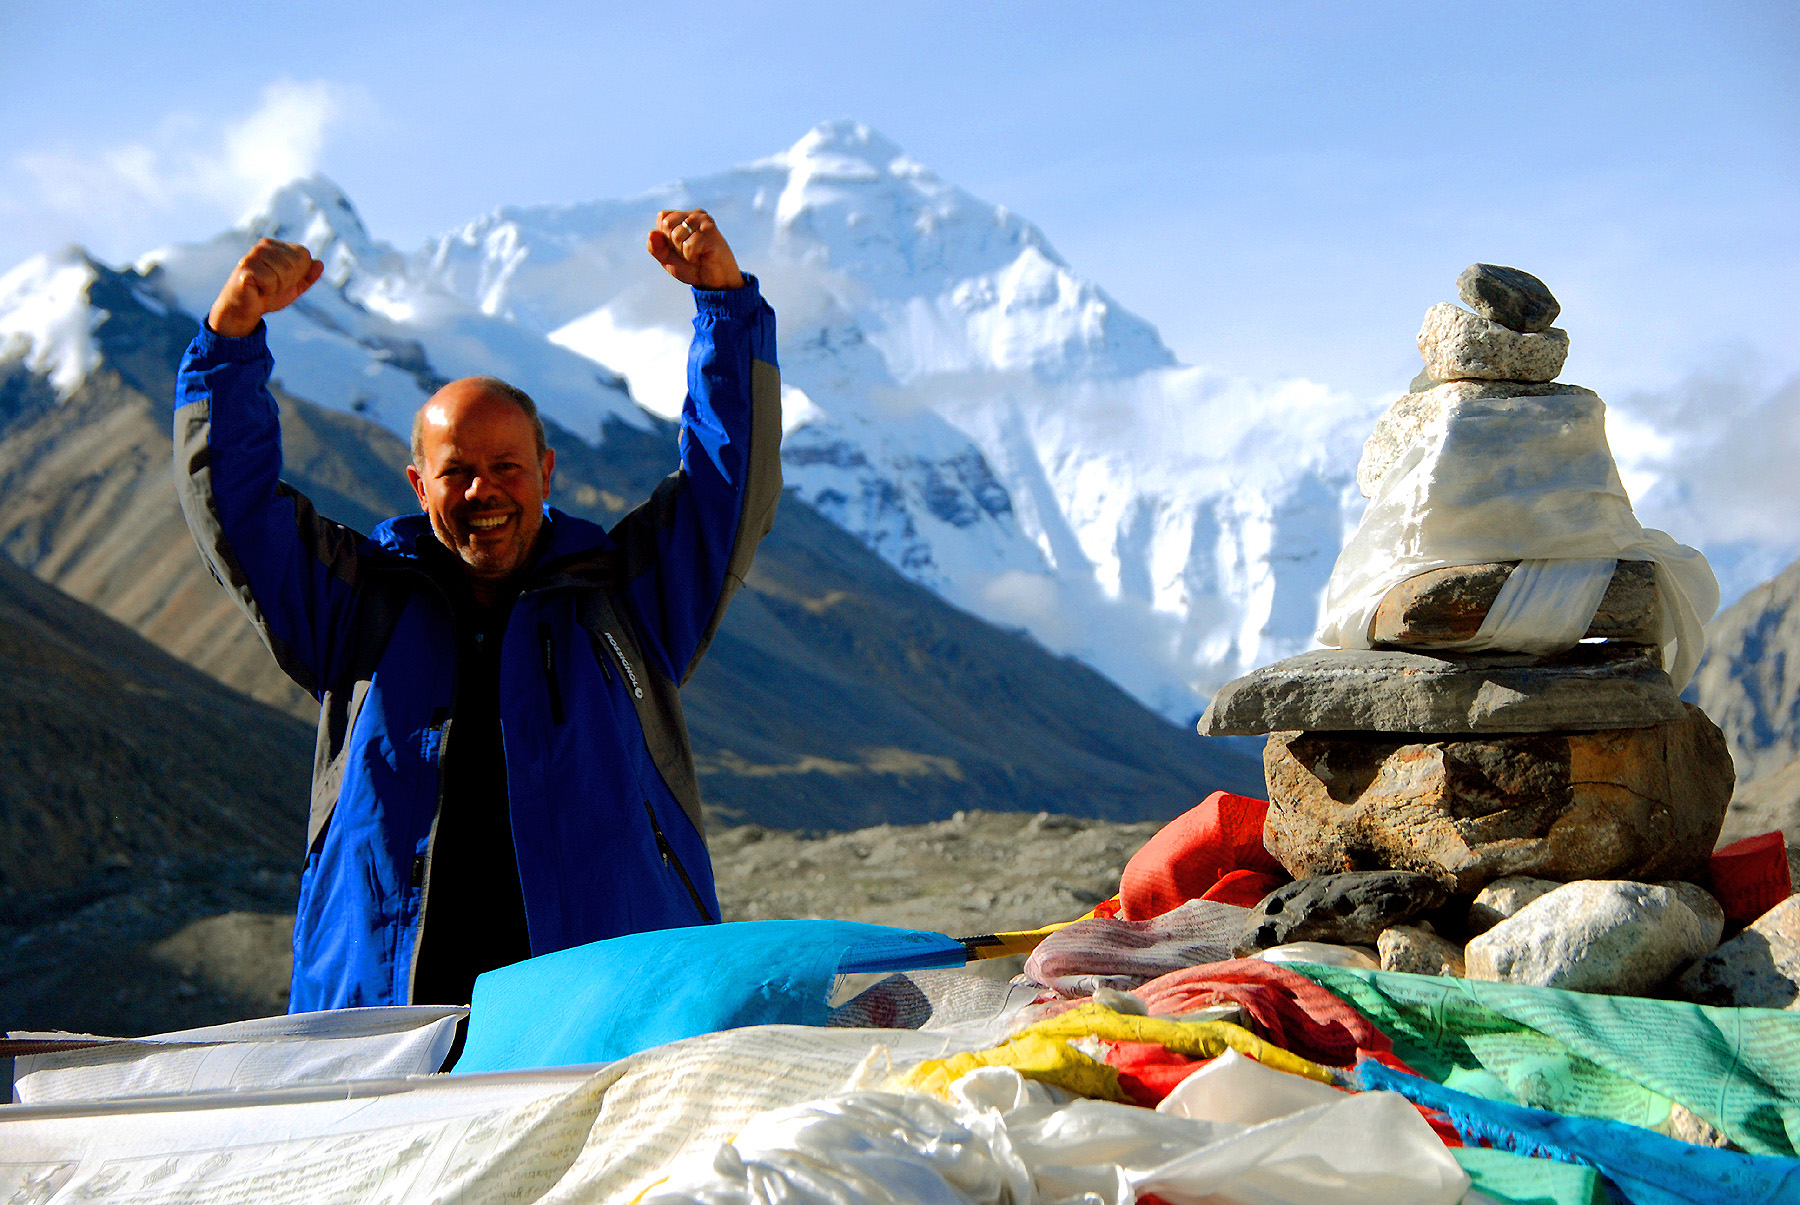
503	769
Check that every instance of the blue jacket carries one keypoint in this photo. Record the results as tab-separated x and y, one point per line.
605	807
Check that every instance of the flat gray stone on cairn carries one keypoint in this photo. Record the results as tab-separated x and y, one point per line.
1638	803
1504	897
1460	346
1759	968
1618	938
1387	690
1344	909
1417	951
1404	425
1443	607
1517	300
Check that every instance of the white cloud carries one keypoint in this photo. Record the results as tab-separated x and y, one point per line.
189	174
1711	461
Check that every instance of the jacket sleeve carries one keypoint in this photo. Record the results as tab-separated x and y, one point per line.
688	548
291	571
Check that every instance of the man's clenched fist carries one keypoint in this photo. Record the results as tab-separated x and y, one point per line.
270	278
686	242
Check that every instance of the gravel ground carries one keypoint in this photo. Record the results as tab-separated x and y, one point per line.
979	872
187	942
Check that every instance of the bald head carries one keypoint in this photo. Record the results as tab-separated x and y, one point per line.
437	410
482	473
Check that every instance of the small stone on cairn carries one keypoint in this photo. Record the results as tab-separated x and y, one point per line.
1476	737
1516	300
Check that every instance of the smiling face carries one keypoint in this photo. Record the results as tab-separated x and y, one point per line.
480	477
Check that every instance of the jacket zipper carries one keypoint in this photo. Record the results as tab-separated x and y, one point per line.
556	704
421	867
674	863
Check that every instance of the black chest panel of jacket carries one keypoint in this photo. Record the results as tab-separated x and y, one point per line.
474	908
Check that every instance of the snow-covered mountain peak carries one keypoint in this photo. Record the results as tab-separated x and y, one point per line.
847	150
988	420
45	319
845	220
315	211
846	138
376	339
844	154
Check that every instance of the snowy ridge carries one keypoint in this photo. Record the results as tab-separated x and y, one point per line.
45	320
370	338
992	424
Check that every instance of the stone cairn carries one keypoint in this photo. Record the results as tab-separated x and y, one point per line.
1534	819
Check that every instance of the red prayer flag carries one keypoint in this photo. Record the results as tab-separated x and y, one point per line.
1193	852
1749	877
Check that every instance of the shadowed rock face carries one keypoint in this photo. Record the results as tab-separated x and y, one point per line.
1749	680
140	796
1350	909
116	754
1635	803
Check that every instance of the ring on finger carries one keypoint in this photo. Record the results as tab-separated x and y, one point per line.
689	228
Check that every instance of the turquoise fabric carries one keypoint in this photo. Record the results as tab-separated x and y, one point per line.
604	1001
1641	1167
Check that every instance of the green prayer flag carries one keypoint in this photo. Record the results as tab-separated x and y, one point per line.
1515	1180
1621	1058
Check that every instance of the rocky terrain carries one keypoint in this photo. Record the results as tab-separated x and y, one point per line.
978	872
1749	683
177	943
139	796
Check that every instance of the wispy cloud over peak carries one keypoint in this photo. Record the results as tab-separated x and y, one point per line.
190	171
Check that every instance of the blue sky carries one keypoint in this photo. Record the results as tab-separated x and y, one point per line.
1281	188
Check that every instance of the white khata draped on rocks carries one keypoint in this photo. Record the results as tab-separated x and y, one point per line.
1489	460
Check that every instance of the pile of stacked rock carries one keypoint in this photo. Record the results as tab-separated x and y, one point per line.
1523	808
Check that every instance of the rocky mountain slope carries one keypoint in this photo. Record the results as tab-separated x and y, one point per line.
838	694
118	754
1749	683
139	795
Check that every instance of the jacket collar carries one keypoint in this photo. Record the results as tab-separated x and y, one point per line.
572	551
